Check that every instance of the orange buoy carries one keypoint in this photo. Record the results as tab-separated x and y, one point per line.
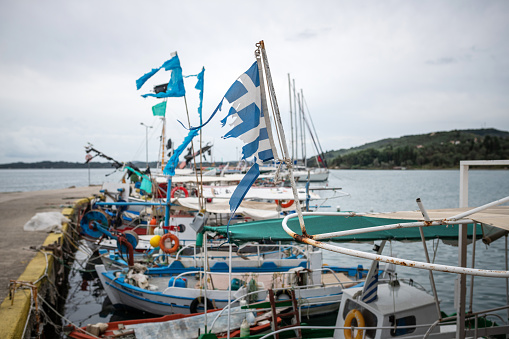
179	188
284	204
169	237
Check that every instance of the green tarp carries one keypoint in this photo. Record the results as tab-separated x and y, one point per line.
272	229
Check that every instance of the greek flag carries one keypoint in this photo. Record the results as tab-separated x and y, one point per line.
248	123
370	291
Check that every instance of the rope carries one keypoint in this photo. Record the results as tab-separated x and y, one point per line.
29	313
67	320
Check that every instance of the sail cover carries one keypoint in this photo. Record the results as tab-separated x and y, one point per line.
272	230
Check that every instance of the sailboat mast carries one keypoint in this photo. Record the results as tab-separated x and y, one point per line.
303	129
294	145
291	114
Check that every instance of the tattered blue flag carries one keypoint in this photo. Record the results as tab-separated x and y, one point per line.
199	87
172	164
175	86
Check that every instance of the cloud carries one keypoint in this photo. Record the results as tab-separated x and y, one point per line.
308	34
368	71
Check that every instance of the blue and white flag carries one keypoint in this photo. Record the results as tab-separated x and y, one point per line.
249	124
370	291
247	118
175	86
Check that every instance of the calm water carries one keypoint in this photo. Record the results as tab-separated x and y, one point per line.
26	180
379	191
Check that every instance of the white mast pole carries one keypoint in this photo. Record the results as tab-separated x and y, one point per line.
281	134
294	144
303	129
291	114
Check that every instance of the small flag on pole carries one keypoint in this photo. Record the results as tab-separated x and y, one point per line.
159	110
370	291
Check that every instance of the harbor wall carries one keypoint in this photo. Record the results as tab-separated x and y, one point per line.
45	277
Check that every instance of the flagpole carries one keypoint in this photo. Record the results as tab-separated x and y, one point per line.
281	133
194	161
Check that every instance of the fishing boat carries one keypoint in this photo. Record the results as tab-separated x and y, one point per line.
394	309
254	257
237	323
317	289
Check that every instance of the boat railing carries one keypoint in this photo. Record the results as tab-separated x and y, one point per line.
243	297
259	253
475	316
317	240
343	284
484	331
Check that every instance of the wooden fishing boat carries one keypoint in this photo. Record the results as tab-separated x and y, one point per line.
317	289
175	326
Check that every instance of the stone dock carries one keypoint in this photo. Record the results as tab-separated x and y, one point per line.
20	250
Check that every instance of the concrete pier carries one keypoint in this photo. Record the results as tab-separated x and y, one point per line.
21	261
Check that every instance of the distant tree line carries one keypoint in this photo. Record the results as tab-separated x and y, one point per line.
435	155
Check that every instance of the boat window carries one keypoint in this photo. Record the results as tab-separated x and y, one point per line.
406	321
370	319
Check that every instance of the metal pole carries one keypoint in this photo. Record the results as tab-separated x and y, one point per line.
431	279
279	125
291	114
295	151
146	140
303	128
506	279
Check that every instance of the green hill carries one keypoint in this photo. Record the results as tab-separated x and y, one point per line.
433	150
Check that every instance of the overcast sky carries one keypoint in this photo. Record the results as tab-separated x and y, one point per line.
368	69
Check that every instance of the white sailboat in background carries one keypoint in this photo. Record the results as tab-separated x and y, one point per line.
301	125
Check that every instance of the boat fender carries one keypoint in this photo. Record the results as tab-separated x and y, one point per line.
283	295
174	240
284	203
357	315
179	188
193	308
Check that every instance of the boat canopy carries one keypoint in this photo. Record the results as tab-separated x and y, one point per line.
497	216
252	209
271	230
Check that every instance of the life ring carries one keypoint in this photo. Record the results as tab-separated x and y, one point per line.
173	238
284	204
348	323
193	308
179	188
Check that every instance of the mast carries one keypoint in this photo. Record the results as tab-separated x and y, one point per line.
291	114
301	127
294	145
281	133
163	141
319	148
305	161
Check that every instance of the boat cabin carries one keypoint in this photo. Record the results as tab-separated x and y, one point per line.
397	305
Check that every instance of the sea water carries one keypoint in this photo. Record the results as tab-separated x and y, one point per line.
26	180
362	191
